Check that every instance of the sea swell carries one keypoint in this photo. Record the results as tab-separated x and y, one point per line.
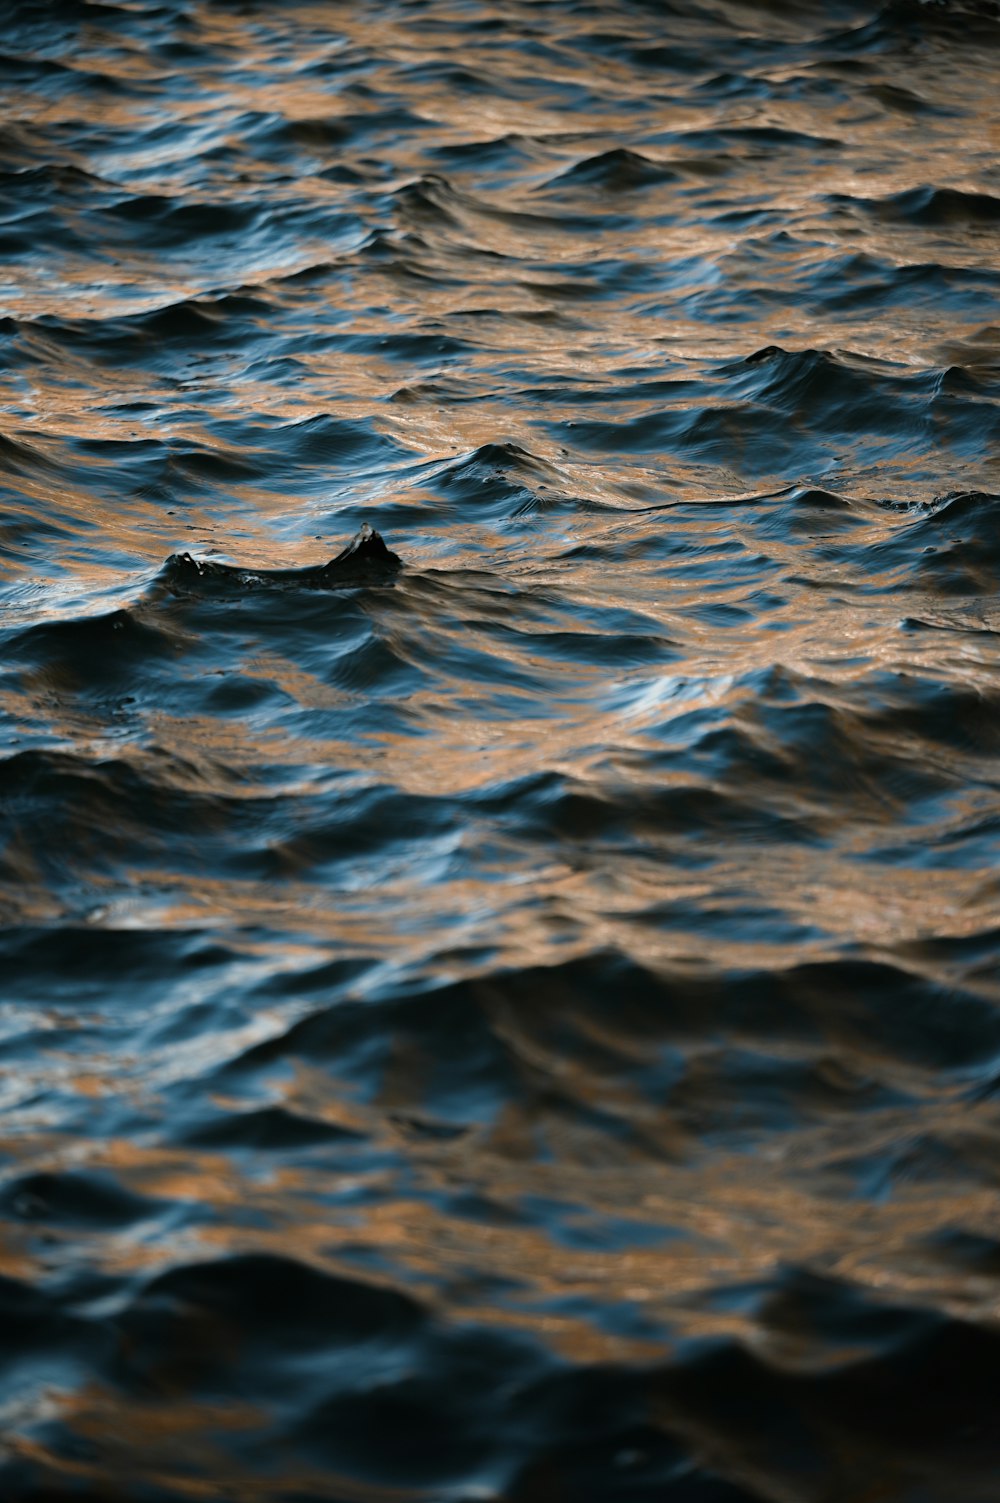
517	1017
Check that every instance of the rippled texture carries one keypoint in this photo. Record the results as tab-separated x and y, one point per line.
523	1025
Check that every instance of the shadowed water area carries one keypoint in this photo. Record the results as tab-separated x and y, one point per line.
521	1024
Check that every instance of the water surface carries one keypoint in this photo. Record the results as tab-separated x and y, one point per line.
527	1025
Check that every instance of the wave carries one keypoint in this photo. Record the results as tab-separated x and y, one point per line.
618	170
365	560
254	1328
508	1011
929	205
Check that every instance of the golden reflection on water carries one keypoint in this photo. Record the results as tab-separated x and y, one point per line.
732	1220
532	287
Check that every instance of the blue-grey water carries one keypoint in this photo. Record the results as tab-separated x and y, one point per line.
524	1025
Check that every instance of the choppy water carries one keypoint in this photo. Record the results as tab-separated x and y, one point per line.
526	1026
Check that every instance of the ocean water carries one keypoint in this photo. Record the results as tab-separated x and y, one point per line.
524	1024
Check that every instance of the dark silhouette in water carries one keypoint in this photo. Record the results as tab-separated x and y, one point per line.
366	550
366	557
